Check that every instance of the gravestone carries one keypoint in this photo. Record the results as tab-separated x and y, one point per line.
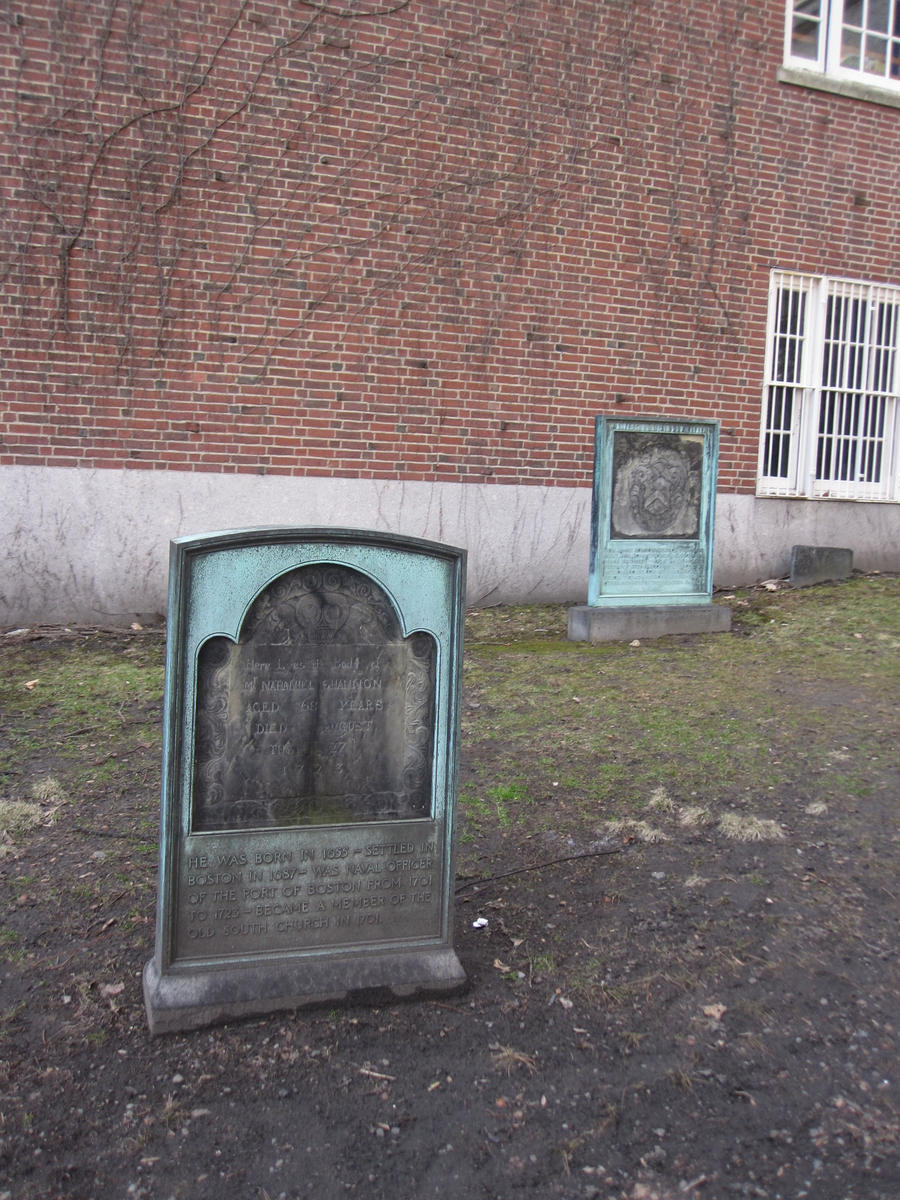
652	522
309	773
819	564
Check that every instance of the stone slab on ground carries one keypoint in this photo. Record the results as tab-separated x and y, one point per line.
819	564
588	623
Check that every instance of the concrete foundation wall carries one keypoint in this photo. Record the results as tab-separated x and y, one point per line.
92	545
754	536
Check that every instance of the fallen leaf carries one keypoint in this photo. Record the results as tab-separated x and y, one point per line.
714	1011
501	966
32	684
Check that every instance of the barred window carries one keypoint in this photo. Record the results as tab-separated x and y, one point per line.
846	39
830	410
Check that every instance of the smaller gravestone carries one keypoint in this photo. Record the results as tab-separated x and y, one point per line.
309	774
651	531
819	564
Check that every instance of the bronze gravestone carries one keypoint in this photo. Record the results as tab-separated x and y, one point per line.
309	773
652	518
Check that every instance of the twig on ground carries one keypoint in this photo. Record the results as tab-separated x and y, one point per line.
553	862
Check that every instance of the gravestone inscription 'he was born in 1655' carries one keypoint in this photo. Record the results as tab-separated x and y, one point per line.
309	772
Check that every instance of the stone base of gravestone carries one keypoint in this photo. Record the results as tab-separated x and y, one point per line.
589	623
819	564
198	998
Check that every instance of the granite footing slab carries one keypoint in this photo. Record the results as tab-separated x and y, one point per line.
589	623
191	999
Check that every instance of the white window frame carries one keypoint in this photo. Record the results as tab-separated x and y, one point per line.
830	425
838	28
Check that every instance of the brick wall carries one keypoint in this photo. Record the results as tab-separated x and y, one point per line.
427	243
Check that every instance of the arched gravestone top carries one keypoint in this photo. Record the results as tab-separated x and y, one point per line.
321	712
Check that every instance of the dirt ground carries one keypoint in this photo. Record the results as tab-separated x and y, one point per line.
684	1013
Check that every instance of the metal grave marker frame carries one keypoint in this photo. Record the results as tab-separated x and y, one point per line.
309	772
653	511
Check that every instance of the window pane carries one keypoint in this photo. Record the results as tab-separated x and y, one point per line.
789	325
876	55
805	40
884	338
878	19
777	447
850	50
853	14
872	440
805	27
783	396
825	445
836	450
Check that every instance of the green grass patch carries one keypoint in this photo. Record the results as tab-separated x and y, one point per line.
793	713
717	720
88	701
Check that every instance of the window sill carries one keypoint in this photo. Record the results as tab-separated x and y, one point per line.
870	92
768	494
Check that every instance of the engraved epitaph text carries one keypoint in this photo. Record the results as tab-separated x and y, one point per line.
321	713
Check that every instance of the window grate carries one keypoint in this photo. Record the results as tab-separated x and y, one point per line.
831	404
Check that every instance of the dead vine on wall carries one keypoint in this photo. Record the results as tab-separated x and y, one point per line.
206	185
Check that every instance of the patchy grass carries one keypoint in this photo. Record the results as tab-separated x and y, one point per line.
68	694
685	732
18	818
749	828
